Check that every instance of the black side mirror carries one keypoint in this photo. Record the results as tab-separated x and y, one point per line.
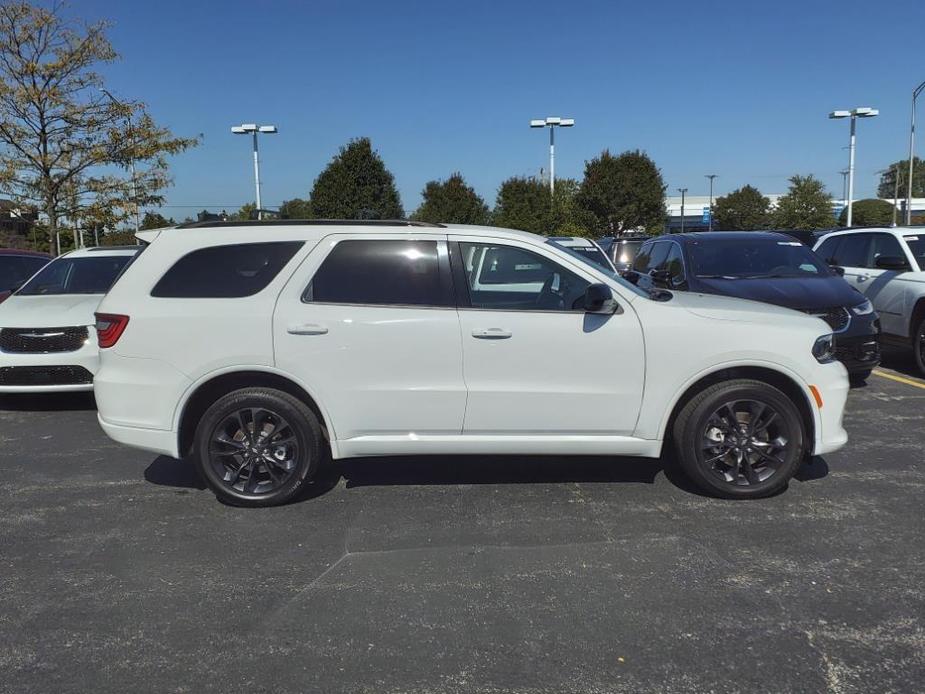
631	276
661	278
600	299
838	270
891	262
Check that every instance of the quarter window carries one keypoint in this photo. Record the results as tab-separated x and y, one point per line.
405	273
224	272
674	263
513	279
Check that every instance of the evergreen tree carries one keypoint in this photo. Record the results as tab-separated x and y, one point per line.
356	185
453	202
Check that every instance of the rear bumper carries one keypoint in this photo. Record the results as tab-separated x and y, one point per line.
155	440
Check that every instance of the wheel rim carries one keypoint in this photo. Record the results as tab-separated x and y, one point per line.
921	346
745	442
253	451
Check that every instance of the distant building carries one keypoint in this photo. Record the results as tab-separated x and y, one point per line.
697	210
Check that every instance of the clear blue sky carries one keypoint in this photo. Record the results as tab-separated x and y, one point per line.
733	87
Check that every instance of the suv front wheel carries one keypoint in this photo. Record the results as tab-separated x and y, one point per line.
258	447
740	439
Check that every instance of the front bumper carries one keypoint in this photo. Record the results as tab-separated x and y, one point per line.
54	372
831	380
858	347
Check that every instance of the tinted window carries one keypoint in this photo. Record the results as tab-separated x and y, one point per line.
15	269
223	272
916	244
674	263
853	250
884	244
641	263
379	272
659	254
626	251
77	275
828	251
738	258
509	278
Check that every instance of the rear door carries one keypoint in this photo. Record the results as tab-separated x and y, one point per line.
369	325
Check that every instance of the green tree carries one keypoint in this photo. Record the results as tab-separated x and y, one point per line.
247	213
153	220
525	204
745	209
451	201
886	188
567	217
807	205
871	212
624	192
297	208
60	135
356	185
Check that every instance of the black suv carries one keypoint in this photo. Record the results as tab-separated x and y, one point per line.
769	267
622	250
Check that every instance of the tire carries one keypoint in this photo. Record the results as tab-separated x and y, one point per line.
858	377
258	447
918	345
720	453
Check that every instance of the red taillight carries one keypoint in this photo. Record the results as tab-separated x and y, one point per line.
109	328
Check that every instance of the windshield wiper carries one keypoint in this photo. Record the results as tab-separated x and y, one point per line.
718	277
769	275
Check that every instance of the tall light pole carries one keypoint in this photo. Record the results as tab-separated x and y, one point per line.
711	177
131	159
853	114
844	186
915	94
683	192
552	123
254	129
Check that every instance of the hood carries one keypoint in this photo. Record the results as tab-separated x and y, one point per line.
55	311
800	293
717	307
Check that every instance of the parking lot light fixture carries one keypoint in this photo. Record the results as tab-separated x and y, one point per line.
552	122
853	114
683	192
253	129
711	177
915	95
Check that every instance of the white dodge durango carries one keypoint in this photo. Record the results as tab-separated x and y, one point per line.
263	348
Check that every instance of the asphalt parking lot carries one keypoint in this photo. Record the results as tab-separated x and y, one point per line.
118	572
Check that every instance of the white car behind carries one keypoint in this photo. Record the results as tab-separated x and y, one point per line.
47	340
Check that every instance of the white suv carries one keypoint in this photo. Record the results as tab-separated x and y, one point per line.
888	266
47	341
262	348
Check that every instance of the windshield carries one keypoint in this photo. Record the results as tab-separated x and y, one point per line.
606	270
16	269
917	246
592	253
745	259
77	276
627	251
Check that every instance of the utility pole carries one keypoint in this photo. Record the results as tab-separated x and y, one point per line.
915	94
711	177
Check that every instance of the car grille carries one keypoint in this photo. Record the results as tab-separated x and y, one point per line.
837	317
42	340
44	376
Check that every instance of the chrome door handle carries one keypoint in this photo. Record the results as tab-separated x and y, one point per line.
307	329
492	334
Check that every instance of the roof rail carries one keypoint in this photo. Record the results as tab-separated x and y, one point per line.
313	222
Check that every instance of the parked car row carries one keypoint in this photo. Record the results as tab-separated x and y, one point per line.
262	358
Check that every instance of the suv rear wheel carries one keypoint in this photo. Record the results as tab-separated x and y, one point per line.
918	345
258	447
740	439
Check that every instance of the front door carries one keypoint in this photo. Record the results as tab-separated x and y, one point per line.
533	361
369	325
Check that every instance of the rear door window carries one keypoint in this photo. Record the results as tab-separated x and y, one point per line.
853	251
222	272
674	263
381	272
884	245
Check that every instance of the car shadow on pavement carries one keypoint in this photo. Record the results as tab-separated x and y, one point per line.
470	470
47	402
899	360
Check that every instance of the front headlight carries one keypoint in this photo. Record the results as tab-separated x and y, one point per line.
824	349
865	308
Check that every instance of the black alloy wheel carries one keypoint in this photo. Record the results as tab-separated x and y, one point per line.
258	447
740	439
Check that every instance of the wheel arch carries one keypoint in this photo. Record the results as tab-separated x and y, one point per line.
780	380
918	312
214	387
